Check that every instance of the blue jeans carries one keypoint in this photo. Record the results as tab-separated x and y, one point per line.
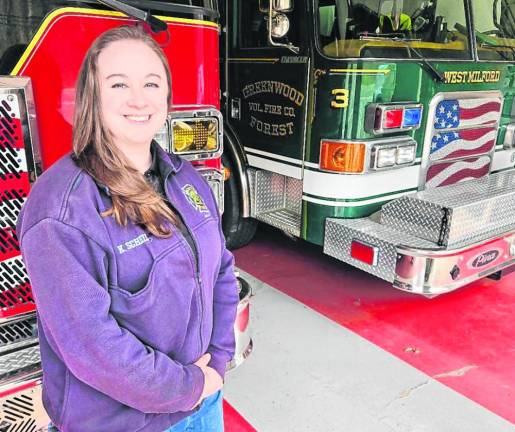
209	418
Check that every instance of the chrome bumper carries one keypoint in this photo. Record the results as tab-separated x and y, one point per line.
434	241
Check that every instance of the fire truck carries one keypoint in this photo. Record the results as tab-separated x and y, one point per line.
381	130
42	44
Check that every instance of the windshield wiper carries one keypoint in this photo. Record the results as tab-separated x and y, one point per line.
428	66
424	62
155	24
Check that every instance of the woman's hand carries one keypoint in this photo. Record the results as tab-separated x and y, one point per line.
212	380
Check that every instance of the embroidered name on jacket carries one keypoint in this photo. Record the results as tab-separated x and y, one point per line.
194	199
134	243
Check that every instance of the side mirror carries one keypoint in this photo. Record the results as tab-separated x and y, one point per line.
277	5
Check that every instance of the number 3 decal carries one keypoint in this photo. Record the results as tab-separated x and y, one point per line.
341	98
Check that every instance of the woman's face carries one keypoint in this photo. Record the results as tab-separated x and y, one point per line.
133	92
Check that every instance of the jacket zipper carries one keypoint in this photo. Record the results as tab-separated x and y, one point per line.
196	258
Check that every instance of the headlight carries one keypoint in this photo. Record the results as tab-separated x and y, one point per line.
386	157
192	134
392	154
405	155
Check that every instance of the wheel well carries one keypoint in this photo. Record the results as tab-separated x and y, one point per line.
233	150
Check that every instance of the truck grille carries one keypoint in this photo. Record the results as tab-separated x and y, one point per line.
15	292
462	131
21	409
18	333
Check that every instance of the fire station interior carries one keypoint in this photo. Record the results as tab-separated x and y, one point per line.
323	345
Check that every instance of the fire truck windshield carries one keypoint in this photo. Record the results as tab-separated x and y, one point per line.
389	28
494	23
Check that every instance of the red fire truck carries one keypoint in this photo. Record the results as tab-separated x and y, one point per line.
42	44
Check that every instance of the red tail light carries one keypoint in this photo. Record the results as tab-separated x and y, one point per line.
242	320
364	252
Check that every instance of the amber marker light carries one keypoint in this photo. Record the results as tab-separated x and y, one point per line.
344	157
227	173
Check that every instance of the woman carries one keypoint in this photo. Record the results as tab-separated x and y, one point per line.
135	290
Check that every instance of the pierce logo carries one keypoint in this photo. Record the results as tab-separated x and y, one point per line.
485	258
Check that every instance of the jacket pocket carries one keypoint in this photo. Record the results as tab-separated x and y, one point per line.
163	312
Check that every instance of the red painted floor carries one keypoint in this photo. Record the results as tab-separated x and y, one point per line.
465	339
234	422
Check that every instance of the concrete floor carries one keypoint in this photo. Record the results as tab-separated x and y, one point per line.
308	373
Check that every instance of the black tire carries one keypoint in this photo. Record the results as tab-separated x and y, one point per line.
238	231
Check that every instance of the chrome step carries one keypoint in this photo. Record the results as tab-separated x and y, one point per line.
283	219
456	215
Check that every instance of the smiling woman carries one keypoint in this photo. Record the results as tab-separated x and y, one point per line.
135	289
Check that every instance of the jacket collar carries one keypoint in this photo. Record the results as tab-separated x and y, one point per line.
162	162
167	163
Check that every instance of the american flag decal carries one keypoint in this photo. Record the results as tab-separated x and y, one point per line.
462	140
450	145
460	113
447	173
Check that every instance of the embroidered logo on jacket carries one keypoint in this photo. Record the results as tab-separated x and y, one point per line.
134	243
194	199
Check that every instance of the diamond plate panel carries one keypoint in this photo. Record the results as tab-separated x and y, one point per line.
251	174
277	200
24	360
269	191
339	234
283	219
293	198
455	215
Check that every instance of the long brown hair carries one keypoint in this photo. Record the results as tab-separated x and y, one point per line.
133	198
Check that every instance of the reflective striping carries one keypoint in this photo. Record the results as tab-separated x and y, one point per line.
361	71
252	59
59	13
273	156
277	167
311	165
357	203
341	186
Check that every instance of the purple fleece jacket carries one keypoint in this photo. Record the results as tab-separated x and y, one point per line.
123	315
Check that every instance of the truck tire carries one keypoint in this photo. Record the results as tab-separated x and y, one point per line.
238	231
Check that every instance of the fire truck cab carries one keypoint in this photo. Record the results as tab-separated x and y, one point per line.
381	130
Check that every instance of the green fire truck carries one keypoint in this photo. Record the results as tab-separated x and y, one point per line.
382	130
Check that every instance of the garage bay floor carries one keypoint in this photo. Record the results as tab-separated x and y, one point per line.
338	350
